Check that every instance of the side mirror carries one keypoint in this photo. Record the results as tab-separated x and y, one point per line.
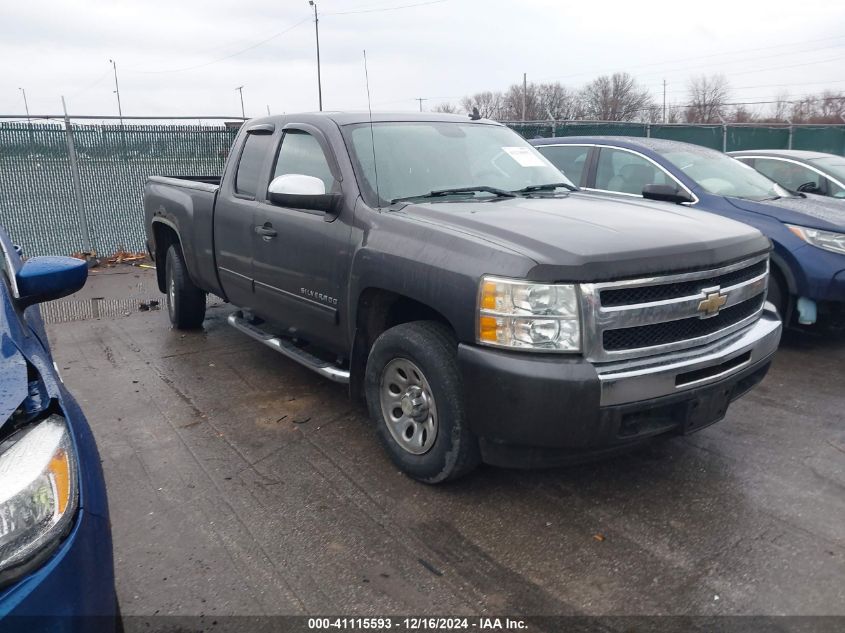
302	192
667	193
46	278
809	187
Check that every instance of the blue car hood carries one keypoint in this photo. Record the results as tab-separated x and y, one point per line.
14	385
812	211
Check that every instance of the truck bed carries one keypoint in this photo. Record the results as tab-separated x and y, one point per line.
204	182
185	204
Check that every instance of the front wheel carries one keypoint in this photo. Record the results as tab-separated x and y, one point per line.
415	397
777	296
185	302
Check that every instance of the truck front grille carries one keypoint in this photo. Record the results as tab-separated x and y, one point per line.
642	317
680	330
647	294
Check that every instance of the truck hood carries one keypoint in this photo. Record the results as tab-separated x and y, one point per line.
589	237
813	211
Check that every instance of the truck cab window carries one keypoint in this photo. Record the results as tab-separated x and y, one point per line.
300	153
250	164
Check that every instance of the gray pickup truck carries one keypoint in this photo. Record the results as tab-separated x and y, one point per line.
483	307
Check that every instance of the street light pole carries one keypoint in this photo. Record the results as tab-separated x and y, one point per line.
240	89
317	36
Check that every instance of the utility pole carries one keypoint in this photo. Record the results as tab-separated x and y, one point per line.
119	107
117	92
240	89
268	110
664	101
421	99
28	119
317	36
25	105
524	93
77	186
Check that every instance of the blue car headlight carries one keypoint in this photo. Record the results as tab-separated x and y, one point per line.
828	240
38	489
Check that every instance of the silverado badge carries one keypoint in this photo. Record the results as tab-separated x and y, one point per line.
712	303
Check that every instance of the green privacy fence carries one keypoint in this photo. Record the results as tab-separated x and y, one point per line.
820	138
38	205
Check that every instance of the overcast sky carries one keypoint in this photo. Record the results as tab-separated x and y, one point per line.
186	57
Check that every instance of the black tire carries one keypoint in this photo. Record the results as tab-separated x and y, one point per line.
431	347
777	295
185	302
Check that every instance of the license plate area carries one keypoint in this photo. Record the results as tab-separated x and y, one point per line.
705	409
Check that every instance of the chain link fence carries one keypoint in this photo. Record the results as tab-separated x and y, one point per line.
48	214
39	205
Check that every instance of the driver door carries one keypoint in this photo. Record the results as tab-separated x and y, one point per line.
301	256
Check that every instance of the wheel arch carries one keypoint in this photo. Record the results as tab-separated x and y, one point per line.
378	310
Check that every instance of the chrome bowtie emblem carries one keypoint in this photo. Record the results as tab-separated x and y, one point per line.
712	303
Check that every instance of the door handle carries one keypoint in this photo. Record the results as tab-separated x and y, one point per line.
267	231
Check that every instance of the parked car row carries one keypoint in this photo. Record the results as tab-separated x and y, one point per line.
807	230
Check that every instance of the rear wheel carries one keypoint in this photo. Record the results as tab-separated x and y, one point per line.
415	397
185	302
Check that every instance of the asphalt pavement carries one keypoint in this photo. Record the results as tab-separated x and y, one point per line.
242	484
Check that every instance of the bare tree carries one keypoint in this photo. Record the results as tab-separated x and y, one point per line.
831	107
742	114
707	99
780	108
557	102
513	100
616	97
446	108
490	104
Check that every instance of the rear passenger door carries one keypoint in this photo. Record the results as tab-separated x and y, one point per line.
300	268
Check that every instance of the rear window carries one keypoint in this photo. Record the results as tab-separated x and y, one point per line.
253	160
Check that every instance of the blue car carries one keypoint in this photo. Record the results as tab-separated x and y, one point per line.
56	567
807	231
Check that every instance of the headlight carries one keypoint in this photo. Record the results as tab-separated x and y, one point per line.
828	240
38	489
529	316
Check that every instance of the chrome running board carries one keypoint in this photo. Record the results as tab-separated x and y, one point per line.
287	347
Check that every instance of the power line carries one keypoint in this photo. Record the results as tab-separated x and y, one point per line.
225	57
404	6
698	57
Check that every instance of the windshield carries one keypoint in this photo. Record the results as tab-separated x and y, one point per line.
722	175
419	157
834	165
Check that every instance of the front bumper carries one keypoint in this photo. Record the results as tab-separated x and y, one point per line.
532	410
73	591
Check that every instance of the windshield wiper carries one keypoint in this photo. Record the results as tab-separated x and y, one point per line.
548	187
500	193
